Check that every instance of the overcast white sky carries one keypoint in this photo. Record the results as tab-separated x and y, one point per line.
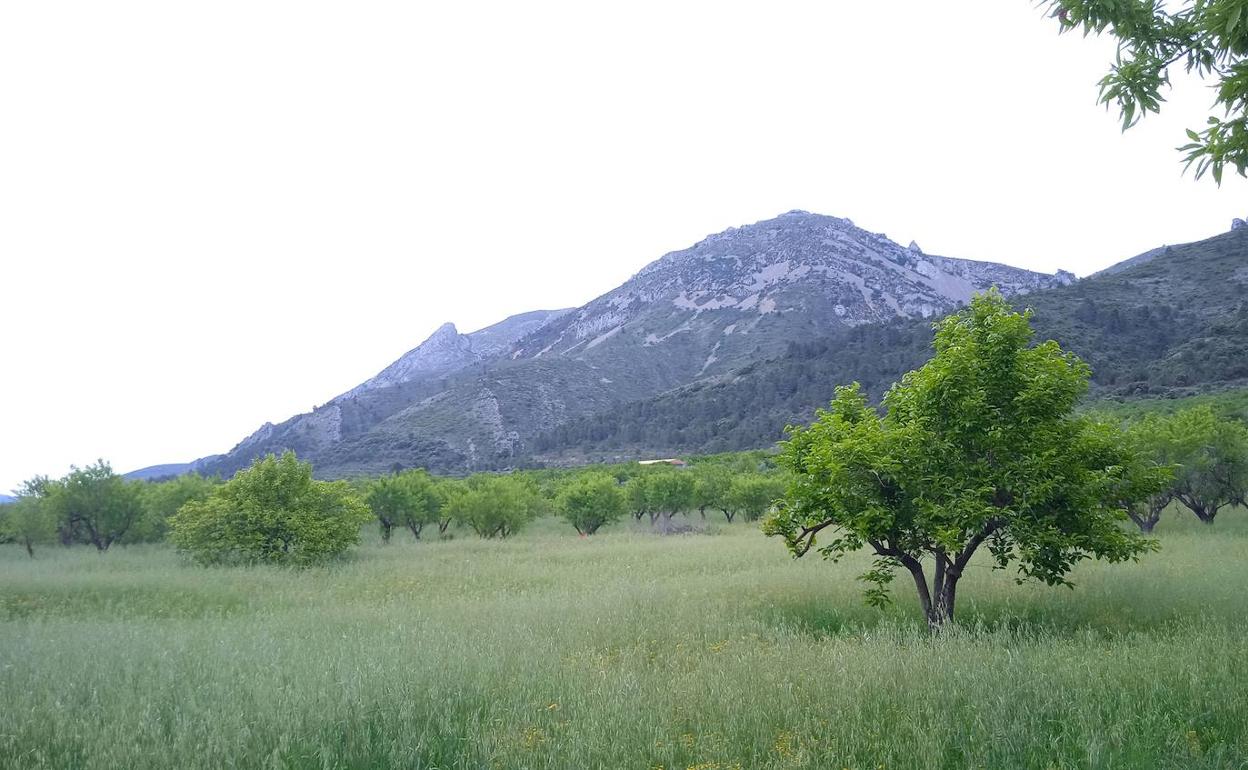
218	214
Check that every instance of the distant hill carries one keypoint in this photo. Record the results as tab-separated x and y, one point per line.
170	470
480	401
7	499
1173	324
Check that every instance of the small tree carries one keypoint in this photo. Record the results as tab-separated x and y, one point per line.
1152	463
712	484
273	512
978	446
95	505
161	500
1212	455
590	500
30	520
670	493
637	494
496	506
447	490
406	499
754	495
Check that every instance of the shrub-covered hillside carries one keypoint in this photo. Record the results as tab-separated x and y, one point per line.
1175	324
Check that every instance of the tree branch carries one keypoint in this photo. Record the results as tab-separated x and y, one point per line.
964	557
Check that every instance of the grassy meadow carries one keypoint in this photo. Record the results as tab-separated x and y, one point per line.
625	650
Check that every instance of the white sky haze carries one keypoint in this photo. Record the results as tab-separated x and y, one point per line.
216	215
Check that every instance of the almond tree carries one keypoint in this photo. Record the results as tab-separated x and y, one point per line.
590	500
979	447
95	505
1212	458
29	519
408	498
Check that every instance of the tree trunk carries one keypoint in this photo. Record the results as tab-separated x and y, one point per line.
1204	511
942	611
385	530
1145	521
415	527
442	525
920	585
728	515
30	548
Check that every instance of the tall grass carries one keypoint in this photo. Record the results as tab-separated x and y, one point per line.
624	650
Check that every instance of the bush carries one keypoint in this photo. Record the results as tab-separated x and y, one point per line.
273	512
495	506
590	500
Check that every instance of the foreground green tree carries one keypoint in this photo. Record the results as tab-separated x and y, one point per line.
95	505
978	447
273	512
1208	38
590	500
30	520
408	499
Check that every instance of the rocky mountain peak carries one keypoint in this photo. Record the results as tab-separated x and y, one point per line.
447	351
760	279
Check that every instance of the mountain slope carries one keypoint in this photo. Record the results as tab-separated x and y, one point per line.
169	470
447	351
1171	324
716	305
477	401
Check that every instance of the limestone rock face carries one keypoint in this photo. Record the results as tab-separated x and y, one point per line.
447	351
767	279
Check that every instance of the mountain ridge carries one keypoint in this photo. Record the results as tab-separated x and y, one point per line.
1173	324
477	401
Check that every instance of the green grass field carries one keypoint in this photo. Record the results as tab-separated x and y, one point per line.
627	650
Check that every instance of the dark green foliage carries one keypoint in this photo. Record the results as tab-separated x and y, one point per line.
274	512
